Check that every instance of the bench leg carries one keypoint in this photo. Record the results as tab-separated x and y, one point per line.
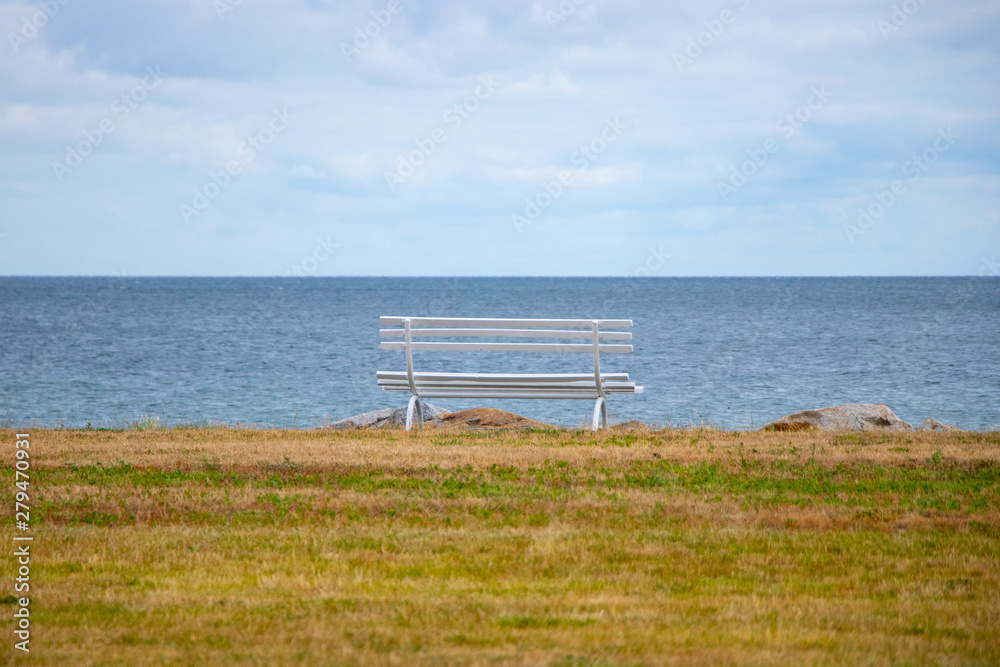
414	403
600	412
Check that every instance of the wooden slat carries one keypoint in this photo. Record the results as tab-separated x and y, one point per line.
497	392
501	377
609	386
508	347
525	380
518	393
389	320
506	333
512	393
591	395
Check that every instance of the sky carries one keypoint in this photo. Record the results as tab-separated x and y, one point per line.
524	137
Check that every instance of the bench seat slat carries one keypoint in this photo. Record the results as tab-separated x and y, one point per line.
509	347
502	377
514	393
527	381
504	333
517	393
627	387
387	320
488	392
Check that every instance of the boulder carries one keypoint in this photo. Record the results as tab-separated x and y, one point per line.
853	417
387	417
935	425
491	417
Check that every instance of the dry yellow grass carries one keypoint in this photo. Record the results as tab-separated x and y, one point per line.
207	546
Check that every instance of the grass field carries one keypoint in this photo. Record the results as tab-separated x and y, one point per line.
213	546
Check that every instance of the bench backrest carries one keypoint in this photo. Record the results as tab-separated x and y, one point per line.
593	335
594	332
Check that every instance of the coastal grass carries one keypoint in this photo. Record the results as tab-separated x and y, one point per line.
553	547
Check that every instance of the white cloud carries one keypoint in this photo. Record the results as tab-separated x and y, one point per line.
548	84
685	131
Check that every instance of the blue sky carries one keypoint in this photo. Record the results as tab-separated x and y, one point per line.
581	137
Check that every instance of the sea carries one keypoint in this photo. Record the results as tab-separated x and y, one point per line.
731	353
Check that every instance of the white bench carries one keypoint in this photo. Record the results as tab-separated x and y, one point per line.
593	337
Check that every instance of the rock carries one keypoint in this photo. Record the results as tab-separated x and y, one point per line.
935	425
491	417
387	417
853	417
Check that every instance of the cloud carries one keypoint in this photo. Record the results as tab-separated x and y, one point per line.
688	130
548	84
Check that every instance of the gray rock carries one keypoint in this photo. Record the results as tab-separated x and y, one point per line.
387	417
852	417
935	425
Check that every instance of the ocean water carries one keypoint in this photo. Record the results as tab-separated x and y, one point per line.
299	352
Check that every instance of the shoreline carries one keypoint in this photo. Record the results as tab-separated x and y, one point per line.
856	417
